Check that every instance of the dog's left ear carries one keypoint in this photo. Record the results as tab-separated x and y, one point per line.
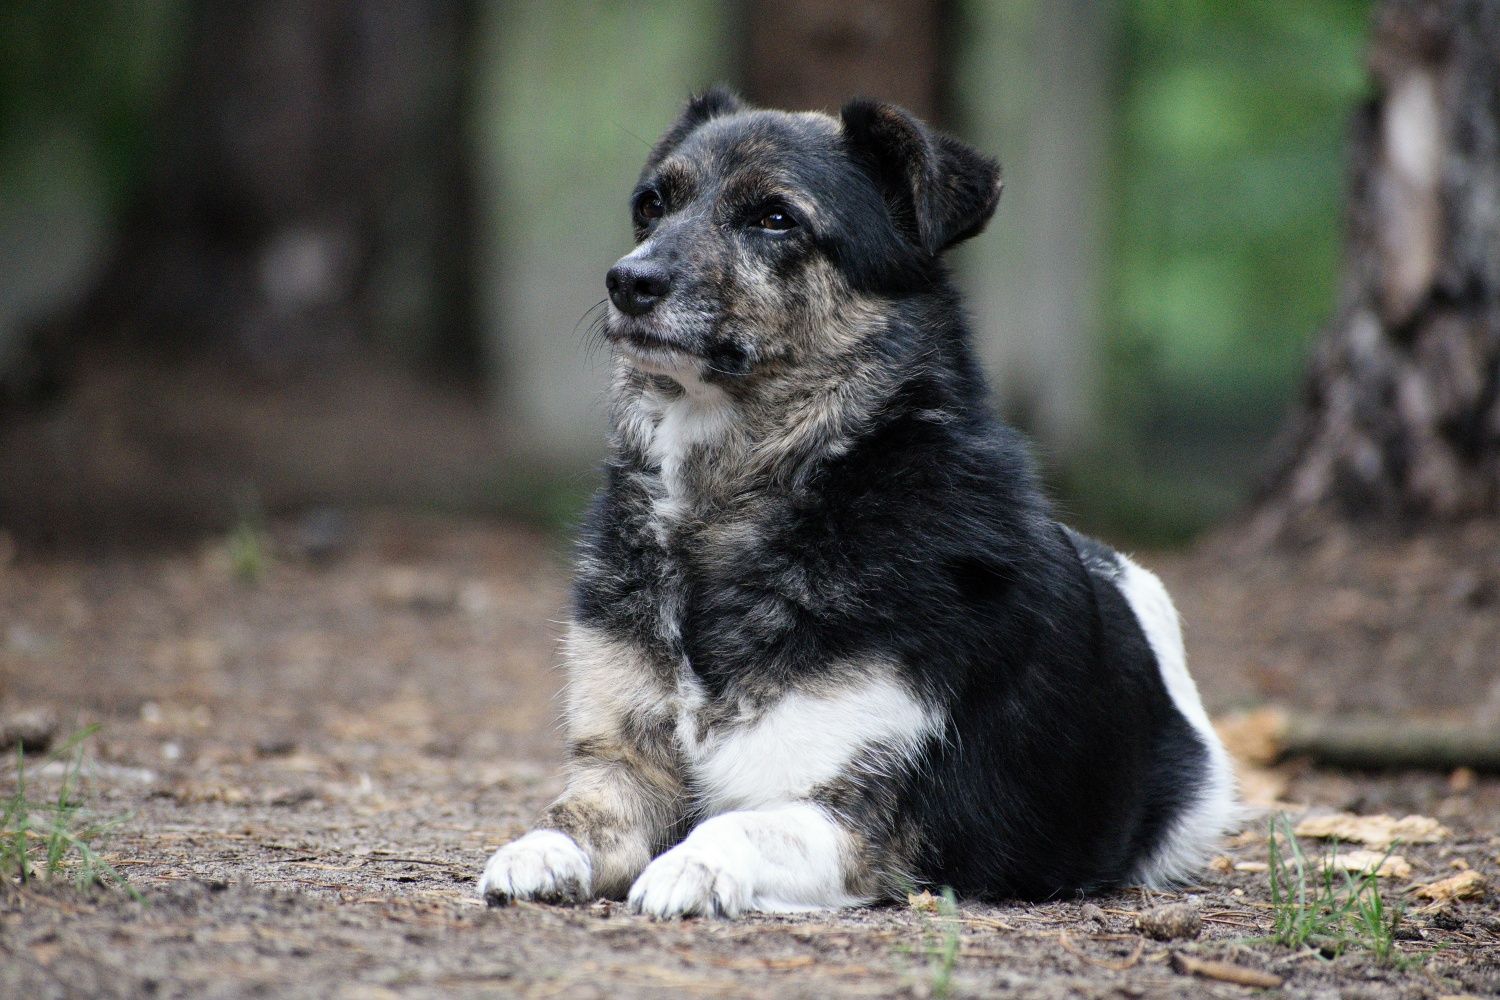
943	191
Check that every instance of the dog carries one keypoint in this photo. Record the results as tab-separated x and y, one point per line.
828	643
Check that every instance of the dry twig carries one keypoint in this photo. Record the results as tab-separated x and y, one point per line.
1224	972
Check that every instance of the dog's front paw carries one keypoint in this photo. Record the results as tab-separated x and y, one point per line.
690	881
544	865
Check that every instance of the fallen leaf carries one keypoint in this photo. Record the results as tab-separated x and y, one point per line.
1260	786
1379	832
1362	862
923	901
1255	736
1223	864
1252	866
1246	838
1464	885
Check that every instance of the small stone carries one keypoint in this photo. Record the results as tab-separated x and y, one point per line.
275	747
33	730
323	534
1171	922
419	590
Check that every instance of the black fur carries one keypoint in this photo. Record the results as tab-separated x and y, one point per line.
922	539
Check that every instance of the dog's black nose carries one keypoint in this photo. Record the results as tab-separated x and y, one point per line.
635	288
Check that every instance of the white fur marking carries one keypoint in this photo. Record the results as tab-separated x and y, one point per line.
1196	832
779	860
544	864
700	417
803	741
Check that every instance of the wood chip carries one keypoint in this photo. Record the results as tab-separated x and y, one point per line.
1379	832
1224	972
1362	862
1464	885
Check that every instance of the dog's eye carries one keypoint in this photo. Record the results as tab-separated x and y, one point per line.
649	207
777	220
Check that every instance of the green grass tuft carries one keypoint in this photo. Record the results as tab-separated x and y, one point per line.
248	550
939	944
1321	906
48	839
945	952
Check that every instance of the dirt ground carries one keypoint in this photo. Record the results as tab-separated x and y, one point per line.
313	767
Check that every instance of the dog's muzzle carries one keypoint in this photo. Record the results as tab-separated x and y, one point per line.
636	287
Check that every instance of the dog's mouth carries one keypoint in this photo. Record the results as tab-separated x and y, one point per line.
650	350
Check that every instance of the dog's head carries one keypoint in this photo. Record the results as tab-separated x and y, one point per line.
762	236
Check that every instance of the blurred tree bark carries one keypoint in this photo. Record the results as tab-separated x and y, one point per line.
820	53
307	192
1400	418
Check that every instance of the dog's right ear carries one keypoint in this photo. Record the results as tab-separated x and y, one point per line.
940	190
715	102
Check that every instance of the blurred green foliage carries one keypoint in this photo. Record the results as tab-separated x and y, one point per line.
1228	193
77	81
1229	124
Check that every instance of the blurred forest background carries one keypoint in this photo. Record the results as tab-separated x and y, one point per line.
267	256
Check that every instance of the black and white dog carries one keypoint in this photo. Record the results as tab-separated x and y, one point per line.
828	643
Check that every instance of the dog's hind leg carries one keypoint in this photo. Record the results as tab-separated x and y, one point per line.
793	857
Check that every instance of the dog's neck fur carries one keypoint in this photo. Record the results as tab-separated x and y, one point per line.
715	447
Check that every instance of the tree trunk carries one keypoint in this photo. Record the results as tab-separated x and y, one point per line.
819	54
307	191
1400	419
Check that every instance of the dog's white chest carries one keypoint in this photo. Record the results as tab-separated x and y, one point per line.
755	759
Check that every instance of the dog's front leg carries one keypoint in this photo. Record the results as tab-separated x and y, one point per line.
618	810
624	798
793	857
